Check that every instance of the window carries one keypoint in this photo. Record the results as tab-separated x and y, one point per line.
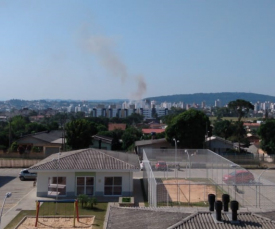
113	186
57	186
85	185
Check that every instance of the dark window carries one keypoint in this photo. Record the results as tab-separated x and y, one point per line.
113	186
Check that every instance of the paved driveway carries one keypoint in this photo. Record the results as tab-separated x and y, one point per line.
9	182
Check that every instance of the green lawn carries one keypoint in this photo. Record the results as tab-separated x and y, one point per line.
64	209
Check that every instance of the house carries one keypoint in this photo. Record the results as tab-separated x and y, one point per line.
152	144
251	126
116	126
185	218
157	125
150	131
94	172
102	142
253	138
46	142
218	145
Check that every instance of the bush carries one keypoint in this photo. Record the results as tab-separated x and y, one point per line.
83	199
92	201
14	147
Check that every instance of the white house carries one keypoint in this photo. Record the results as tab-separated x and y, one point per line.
93	172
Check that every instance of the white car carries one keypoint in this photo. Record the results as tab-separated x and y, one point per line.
26	175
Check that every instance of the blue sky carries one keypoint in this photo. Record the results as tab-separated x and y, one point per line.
132	49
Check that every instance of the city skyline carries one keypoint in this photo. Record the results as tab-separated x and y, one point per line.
99	50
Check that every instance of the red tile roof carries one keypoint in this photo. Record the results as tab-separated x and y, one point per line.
113	126
252	124
149	131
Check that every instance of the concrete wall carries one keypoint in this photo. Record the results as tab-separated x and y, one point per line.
17	163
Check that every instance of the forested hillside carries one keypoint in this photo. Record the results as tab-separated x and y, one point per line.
210	98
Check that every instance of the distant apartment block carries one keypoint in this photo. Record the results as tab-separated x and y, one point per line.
218	103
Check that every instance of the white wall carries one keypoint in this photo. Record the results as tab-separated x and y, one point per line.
42	181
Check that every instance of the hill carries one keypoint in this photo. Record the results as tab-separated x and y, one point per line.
209	98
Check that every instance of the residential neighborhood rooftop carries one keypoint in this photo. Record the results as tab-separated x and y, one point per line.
184	218
92	159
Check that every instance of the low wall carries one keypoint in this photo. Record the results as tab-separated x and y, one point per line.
17	163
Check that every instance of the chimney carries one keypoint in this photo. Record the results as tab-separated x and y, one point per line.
225	201
234	205
211	201
218	207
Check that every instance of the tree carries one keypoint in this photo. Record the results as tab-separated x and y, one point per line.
101	127
18	126
223	128
79	133
189	128
129	137
242	108
172	113
134	118
221	112
267	134
34	127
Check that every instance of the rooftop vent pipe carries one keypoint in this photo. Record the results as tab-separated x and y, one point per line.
234	205
225	201
211	201
218	207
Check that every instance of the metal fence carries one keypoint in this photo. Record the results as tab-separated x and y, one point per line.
188	176
253	160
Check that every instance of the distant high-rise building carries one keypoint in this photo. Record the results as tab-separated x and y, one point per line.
218	103
166	105
256	107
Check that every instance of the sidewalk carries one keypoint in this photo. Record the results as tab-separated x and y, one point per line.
27	202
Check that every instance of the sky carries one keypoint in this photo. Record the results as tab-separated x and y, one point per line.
133	49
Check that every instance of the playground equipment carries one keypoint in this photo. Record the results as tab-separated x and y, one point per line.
76	212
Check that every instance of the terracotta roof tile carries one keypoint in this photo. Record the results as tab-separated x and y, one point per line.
113	126
149	131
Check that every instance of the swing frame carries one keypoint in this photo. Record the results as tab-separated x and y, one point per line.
75	201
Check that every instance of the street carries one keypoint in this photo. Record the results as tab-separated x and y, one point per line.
9	182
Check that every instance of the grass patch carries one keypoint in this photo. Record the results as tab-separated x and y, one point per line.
64	209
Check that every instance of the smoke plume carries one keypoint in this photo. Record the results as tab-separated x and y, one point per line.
103	48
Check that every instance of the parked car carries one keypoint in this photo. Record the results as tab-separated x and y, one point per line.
26	175
239	177
161	165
